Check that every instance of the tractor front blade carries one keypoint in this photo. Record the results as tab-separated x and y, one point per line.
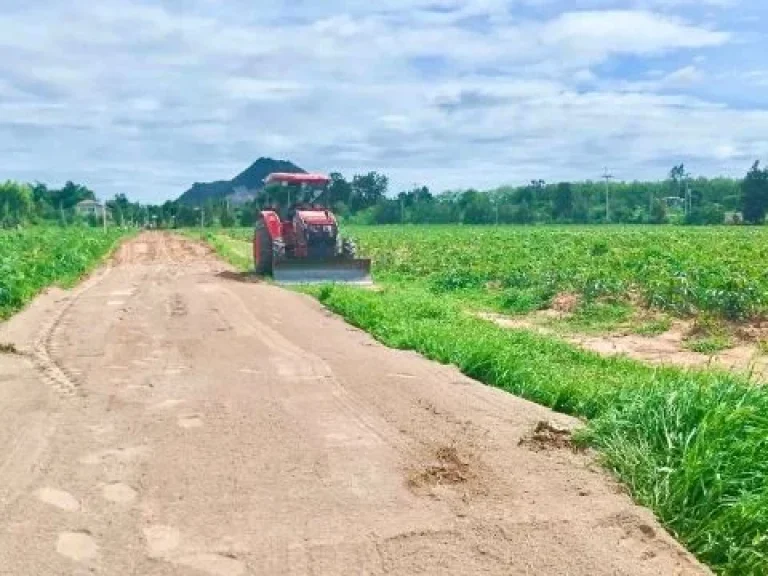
330	270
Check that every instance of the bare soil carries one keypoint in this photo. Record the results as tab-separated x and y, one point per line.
565	302
166	418
669	348
549	436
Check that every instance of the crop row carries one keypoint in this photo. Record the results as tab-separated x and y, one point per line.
34	258
681	270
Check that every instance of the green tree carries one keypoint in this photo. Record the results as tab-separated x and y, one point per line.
70	195
708	214
480	211
580	206
120	208
15	203
658	212
42	200
678	175
339	190
386	212
247	214
187	216
754	195
367	190
227	219
562	202
475	207
523	213
168	214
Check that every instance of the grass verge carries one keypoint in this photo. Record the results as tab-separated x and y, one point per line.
691	446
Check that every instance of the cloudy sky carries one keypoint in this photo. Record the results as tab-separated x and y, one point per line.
147	97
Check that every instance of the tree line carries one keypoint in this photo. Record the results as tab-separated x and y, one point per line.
32	203
365	199
679	199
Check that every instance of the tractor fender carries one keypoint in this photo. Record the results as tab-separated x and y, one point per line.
272	224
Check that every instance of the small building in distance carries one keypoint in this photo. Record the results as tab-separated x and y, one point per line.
90	208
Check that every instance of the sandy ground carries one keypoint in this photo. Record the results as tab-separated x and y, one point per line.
667	349
166	418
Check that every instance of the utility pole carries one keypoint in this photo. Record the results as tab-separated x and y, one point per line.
104	215
607	177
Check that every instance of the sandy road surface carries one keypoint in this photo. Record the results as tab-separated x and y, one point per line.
168	419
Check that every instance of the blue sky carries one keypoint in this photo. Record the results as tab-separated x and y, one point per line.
145	98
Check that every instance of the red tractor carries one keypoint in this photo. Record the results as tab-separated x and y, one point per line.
297	239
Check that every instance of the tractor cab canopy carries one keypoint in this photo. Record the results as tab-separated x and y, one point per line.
287	179
296	192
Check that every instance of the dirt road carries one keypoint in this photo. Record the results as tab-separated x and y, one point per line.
166	418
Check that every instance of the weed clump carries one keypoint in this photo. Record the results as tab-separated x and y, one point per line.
9	348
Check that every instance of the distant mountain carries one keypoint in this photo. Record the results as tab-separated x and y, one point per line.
200	192
243	185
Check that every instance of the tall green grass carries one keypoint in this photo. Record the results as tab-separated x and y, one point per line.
692	446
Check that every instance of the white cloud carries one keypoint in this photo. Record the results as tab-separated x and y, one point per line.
146	99
599	33
661	81
257	90
684	75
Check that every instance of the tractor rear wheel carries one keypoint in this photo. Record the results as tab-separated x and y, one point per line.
262	250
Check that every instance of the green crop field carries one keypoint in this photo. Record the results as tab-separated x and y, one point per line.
690	445
719	270
34	258
680	270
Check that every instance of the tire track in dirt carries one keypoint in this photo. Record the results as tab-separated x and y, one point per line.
289	361
55	373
